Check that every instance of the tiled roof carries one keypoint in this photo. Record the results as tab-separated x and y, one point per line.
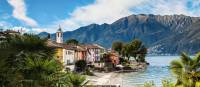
91	46
69	47
99	46
51	43
81	48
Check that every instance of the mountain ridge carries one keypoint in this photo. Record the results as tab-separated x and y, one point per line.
153	30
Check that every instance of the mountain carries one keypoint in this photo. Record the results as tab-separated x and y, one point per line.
186	41
161	34
43	34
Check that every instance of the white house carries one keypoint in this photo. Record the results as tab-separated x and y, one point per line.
69	56
93	53
72	53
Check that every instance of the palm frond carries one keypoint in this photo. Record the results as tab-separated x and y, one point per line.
186	59
196	61
177	67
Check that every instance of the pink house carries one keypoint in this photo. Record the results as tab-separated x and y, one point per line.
114	57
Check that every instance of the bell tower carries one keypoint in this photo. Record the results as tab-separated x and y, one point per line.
59	35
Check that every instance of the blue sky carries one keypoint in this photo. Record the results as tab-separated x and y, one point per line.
46	15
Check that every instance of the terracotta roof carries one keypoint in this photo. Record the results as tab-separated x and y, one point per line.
51	43
69	47
80	48
91	46
74	47
99	46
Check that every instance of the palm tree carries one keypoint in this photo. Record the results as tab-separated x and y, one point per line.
36	70
76	80
28	61
186	70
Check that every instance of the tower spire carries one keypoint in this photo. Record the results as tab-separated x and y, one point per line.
59	26
59	35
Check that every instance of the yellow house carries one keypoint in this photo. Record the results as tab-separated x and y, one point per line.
59	54
58	48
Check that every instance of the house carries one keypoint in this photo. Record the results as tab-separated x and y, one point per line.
81	53
69	54
102	49
114	57
73	53
58	48
94	53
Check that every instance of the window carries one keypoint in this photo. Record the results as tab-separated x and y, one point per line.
69	52
68	61
58	34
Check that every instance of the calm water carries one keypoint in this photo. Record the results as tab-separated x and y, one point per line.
158	70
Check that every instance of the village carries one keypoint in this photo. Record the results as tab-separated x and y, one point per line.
69	54
94	61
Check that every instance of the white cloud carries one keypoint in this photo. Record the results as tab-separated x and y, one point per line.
168	7
108	11
101	11
19	12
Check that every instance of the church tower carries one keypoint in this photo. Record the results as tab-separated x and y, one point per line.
59	35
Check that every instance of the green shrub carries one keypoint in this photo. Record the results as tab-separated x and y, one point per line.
88	72
149	84
167	83
80	65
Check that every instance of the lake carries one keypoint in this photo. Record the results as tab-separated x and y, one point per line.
156	71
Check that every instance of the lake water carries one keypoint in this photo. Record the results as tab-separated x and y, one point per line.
156	71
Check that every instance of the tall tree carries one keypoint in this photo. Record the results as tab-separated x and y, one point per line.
186	70
126	51
72	42
135	49
117	46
